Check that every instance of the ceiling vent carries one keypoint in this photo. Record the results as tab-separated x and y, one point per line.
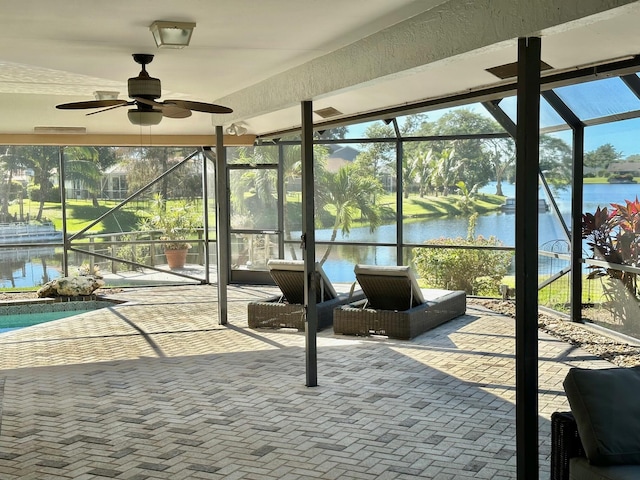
510	70
328	112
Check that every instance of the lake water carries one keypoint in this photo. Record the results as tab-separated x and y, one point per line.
499	224
26	274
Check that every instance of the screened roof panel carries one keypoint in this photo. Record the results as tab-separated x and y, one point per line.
600	98
373	129
549	118
462	119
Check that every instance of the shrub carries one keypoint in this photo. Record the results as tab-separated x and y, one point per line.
476	271
52	195
621	178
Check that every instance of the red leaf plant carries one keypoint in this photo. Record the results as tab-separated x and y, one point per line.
614	237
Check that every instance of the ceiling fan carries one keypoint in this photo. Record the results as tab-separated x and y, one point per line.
144	91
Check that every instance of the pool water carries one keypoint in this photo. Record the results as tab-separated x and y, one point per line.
14	317
21	320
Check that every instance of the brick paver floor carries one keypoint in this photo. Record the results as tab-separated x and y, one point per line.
156	389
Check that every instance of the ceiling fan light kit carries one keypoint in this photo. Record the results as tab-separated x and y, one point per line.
144	91
145	118
168	34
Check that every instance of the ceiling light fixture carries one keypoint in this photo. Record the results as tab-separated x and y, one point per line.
172	34
105	95
145	118
236	129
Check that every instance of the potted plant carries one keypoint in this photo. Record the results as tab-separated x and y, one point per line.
176	222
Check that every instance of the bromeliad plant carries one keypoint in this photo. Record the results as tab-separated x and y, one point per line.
614	237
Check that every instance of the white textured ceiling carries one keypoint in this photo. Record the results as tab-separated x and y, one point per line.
262	58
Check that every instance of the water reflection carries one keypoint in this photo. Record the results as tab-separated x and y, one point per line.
26	268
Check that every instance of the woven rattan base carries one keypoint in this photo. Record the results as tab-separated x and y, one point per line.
565	444
273	313
353	319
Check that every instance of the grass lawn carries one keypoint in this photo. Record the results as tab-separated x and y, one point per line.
602	180
556	295
420	207
81	213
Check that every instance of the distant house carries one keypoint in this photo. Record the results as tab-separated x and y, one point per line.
114	183
339	156
624	167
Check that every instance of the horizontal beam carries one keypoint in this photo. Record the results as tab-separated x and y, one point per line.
550	79
94	140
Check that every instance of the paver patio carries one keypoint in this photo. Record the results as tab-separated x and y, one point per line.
156	389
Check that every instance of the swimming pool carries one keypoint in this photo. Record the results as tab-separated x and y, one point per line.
16	316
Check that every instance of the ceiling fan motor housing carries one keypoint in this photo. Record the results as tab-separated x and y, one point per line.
148	87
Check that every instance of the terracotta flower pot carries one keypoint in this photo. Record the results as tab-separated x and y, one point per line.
176	258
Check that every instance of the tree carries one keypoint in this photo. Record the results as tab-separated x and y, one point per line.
333	133
346	195
82	163
474	165
425	165
555	161
148	163
602	157
377	159
43	160
9	163
502	156
444	173
255	190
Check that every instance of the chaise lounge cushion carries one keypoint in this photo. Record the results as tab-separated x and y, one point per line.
581	469
389	287
607	412
289	276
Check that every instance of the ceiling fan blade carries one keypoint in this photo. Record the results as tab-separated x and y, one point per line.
173	111
124	104
146	101
200	106
91	104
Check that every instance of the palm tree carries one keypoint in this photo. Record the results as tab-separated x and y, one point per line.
446	169
81	163
425	164
347	194
259	186
43	160
9	163
502	157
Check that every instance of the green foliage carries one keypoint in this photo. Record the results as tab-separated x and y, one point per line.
349	194
476	271
471	157
15	190
621	178
132	252
51	195
175	222
555	161
602	156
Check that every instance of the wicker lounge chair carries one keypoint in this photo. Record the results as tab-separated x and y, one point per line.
287	310
395	305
